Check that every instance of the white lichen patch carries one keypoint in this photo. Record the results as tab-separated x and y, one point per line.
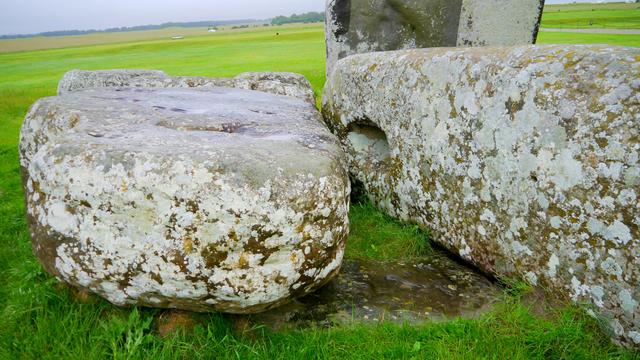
207	200
523	160
498	22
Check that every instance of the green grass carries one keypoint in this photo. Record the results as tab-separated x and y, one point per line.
376	236
27	76
583	38
56	327
584	16
41	319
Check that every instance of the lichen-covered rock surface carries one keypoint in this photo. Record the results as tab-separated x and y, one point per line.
288	84
219	199
361	26
523	160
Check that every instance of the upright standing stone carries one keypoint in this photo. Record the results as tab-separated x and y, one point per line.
359	26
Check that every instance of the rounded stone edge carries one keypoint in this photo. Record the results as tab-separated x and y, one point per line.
278	83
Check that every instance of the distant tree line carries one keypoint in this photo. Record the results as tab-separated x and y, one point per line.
309	17
133	28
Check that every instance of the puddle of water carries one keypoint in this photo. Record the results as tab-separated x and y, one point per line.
435	288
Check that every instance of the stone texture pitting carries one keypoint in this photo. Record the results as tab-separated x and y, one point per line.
522	160
360	26
207	200
288	84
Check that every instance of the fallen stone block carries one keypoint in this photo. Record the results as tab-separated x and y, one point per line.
522	160
361	26
205	200
288	84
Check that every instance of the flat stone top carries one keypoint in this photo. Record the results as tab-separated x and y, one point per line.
243	130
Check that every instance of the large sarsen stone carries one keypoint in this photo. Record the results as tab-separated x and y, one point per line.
219	199
522	160
360	26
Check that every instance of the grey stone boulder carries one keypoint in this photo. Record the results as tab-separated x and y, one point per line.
288	84
522	160
213	199
361	26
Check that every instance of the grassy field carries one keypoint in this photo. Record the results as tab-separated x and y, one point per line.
568	16
42	42
41	319
584	16
26	76
545	37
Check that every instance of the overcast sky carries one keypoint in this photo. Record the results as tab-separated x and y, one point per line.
34	16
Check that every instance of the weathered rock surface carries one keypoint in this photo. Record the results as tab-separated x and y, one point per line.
361	26
219	199
434	288
288	84
522	160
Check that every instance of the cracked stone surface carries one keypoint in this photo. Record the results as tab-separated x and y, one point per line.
206	200
361	26
522	160
432	289
288	84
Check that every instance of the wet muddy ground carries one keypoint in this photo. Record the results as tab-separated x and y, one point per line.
435	288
